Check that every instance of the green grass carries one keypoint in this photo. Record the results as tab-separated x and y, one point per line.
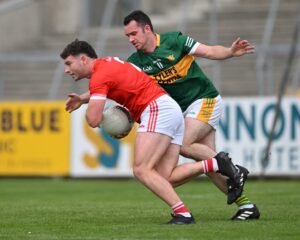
123	209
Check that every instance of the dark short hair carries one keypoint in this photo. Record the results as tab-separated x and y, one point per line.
78	47
140	17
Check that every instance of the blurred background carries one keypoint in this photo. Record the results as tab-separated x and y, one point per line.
34	32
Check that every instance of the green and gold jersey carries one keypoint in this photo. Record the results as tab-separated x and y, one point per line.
175	70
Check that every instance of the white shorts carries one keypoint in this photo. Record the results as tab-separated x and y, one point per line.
207	110
163	115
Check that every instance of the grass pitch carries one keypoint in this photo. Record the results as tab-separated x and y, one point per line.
123	209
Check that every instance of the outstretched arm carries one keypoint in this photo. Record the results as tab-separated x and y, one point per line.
75	101
238	48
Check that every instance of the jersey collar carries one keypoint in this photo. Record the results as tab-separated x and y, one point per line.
157	40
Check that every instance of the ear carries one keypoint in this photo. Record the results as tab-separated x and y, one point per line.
83	59
147	28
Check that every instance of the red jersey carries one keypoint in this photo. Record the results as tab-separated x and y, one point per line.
125	83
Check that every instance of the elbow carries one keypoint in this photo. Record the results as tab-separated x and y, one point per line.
93	122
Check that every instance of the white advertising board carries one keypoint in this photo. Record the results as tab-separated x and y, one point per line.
243	132
95	154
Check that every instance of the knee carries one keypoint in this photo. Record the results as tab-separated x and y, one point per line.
140	172
185	151
172	182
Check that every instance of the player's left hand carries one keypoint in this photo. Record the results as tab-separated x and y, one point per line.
240	47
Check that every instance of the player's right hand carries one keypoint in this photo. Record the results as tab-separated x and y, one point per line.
121	135
73	102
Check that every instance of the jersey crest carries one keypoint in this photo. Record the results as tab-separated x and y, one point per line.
171	57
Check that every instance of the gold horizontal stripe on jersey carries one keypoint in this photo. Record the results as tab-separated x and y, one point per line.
175	72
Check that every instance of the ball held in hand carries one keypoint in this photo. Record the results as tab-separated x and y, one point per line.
117	121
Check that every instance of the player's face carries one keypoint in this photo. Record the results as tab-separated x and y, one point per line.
74	67
137	34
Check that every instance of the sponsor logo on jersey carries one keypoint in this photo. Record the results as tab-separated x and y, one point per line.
167	76
175	72
147	68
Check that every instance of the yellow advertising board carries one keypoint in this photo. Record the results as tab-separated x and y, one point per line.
34	139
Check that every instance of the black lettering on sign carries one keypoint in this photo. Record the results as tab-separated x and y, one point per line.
54	120
34	120
7	146
38	120
6	121
20	124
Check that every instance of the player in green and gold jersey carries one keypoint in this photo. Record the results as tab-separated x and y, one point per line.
169	58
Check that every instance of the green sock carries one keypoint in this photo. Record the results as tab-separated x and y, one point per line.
242	200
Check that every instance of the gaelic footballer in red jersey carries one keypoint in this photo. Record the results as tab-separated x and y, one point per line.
160	136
